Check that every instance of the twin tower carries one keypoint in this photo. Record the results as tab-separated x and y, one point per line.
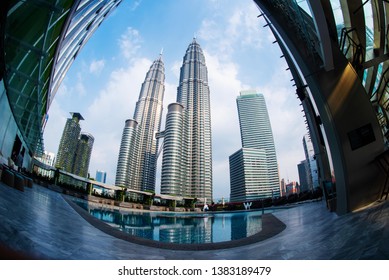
187	151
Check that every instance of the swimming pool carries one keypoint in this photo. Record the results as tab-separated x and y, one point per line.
180	228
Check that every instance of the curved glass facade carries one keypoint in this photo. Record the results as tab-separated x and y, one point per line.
337	52
39	42
363	39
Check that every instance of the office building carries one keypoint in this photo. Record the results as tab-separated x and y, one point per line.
101	176
292	188
194	177
303	172
137	162
254	168
39	42
249	175
311	168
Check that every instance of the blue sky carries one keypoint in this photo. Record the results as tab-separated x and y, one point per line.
104	82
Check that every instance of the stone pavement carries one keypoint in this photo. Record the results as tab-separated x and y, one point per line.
39	224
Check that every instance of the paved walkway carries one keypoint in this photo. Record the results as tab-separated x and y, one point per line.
39	223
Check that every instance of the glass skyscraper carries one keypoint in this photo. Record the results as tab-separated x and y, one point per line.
101	176
254	168
312	171
194	176
136	168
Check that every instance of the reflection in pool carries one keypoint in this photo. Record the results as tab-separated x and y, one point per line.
181	228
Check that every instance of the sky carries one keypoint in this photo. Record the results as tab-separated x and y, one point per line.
104	82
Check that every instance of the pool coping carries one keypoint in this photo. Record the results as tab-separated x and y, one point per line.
271	226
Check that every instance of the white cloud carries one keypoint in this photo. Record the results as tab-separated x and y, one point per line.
241	28
55	125
79	87
135	5
224	87
96	66
175	69
130	43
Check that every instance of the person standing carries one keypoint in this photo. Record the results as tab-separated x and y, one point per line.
19	161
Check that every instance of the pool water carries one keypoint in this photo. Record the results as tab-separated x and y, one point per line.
180	228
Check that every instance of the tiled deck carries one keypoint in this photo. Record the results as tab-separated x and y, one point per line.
39	223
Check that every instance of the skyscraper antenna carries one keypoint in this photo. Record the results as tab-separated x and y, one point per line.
161	52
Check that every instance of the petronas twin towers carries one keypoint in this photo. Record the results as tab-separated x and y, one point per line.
187	151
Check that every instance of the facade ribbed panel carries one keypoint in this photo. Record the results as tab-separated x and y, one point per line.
196	150
85	19
125	156
171	181
137	161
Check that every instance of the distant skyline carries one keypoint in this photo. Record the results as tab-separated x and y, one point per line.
104	82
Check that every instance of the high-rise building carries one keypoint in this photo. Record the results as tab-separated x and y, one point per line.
136	168
248	174
75	148
302	168
195	153
101	176
83	154
127	149
292	188
310	159
254	168
171	181
68	143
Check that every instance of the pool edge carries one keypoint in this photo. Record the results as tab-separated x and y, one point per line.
271	226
